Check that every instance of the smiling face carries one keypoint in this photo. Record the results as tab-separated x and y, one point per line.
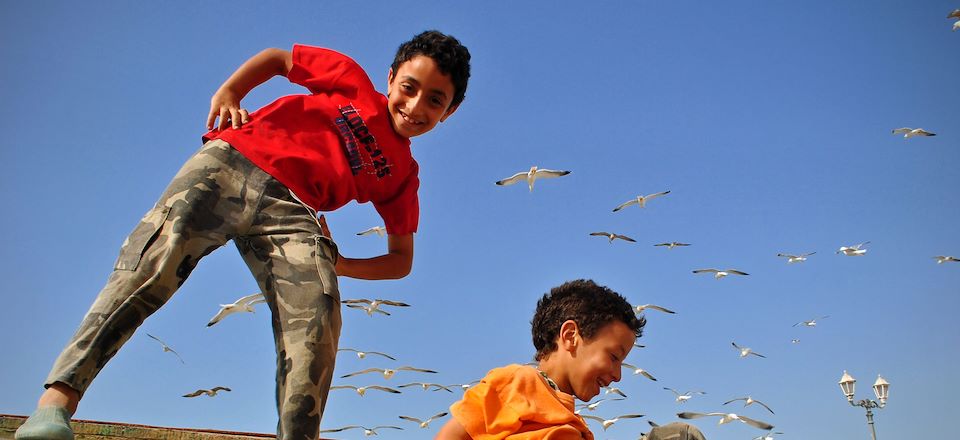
418	96
596	362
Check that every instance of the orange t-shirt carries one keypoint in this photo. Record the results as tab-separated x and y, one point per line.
515	402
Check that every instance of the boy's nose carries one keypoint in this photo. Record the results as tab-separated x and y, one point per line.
616	374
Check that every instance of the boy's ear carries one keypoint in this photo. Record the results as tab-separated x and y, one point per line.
569	335
449	112
390	75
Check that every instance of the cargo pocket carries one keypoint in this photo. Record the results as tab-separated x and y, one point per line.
326	253
145	233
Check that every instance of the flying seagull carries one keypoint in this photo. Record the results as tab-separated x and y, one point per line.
945	258
853	251
767	436
638	370
911	132
672	244
810	323
387	372
956	25
613	236
613	390
427	385
745	351
379	230
681	398
795	258
749	401
363	390
211	392
640	201
643	307
463	386
531	176
726	418
594	405
166	348
373	305
717	273
366	431
424	423
363	354
954	14
244	304
606	423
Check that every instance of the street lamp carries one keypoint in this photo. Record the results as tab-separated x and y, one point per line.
881	388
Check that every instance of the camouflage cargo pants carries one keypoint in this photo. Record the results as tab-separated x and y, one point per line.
217	196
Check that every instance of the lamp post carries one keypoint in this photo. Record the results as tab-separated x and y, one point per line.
881	388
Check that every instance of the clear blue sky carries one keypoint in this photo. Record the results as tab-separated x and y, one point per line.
770	122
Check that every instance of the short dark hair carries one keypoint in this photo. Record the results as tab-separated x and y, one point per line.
451	57
590	305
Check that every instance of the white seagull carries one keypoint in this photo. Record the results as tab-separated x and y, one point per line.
614	390
717	273
672	244
612	236
640	201
424	423
366	431
462	386
643	307
795	258
945	258
681	398
810	323
767	436
387	372
531	176
726	418
166	348
749	401
911	132
853	251
427	385
956	25
594	405
637	370
363	354
244	304
606	423
211	392
379	230
746	351
373	305
363	390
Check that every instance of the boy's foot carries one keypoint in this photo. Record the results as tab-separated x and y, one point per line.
46	423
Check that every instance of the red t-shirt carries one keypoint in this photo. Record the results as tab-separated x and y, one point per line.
334	145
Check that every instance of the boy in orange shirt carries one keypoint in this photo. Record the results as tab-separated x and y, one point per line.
582	333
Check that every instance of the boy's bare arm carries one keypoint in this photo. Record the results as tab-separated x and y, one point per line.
452	430
396	263
225	103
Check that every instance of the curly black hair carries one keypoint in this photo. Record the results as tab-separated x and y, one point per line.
590	305
451	57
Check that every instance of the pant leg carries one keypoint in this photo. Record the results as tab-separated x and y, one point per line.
205	203
294	265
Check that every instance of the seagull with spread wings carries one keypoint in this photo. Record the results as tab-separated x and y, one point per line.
244	304
795	258
612	236
640	201
380	231
746	351
672	244
427	385
424	423
211	392
717	273
363	390
606	423
911	132
166	347
363	354
749	401
853	251
373	306
387	372
608	389
642	307
945	258
593	406
726	418
366	431
637	370
810	323
681	398
531	176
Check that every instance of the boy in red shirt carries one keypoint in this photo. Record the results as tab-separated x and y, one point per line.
260	180
582	333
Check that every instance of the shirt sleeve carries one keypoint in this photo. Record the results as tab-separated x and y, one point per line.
483	413
401	213
323	70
